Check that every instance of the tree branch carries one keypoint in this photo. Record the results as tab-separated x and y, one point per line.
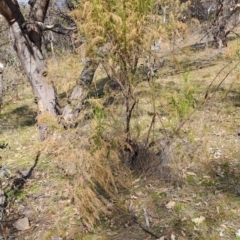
10	10
38	10
49	27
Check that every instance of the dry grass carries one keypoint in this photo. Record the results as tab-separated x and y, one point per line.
82	184
64	74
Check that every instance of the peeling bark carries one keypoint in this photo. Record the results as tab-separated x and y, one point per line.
79	93
27	40
27	44
37	14
36	70
1	85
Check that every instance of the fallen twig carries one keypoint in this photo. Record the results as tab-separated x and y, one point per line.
134	218
146	218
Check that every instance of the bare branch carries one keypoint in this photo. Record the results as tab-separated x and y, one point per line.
56	27
134	218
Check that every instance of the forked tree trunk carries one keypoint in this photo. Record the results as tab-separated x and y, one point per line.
79	93
36	70
27	43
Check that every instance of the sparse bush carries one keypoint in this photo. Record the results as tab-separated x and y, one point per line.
118	35
184	101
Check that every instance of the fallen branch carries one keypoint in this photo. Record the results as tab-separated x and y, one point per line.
134	218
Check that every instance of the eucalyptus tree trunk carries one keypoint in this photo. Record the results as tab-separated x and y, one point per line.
79	93
26	38
1	85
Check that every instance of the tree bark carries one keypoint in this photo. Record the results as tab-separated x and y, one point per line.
1	85
27	43
79	93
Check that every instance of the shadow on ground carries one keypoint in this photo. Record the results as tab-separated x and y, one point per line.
226	177
234	97
22	116
12	192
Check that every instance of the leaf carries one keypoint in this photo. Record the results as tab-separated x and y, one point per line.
198	220
173	237
139	194
136	180
162	190
134	197
170	205
191	173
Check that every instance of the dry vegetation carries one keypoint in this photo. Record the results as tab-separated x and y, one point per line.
86	186
79	178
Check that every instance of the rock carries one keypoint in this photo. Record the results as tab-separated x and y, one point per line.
22	224
28	213
3	199
237	190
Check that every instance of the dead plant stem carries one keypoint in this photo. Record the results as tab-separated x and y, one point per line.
176	130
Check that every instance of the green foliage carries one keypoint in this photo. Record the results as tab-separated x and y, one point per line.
121	28
119	32
99	116
238	49
3	145
118	35
184	101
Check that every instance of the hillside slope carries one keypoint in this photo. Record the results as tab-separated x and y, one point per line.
191	189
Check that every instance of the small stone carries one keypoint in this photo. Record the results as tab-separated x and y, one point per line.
22	224
2	199
237	190
28	213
